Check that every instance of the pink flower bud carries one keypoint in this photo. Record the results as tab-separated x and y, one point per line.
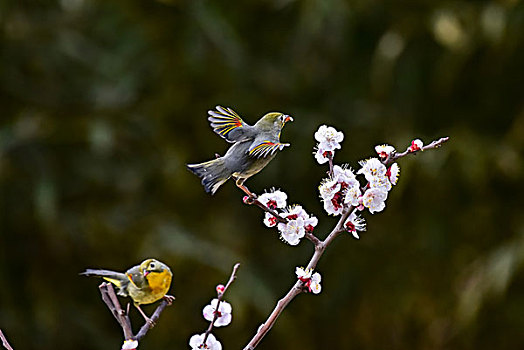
220	289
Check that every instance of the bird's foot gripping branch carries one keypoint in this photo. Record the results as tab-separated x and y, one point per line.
131	340
345	194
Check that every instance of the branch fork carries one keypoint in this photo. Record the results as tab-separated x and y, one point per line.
122	316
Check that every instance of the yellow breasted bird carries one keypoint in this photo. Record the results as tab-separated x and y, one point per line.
254	146
144	283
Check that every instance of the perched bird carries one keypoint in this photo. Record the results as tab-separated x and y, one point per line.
144	283
254	146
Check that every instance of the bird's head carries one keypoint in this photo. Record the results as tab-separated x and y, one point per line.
274	120
152	266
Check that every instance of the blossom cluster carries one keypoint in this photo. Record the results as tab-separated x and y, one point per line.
311	280
298	221
222	311
342	190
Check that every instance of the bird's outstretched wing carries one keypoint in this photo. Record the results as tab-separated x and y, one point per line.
228	124
265	148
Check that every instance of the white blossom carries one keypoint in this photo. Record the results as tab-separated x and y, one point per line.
353	195
322	155
270	220
329	138
292	231
274	199
310	223
333	190
374	199
196	342
355	223
299	222
328	188
303	274
130	344
393	173
384	151
314	285
344	176
381	182
223	312
372	167
334	206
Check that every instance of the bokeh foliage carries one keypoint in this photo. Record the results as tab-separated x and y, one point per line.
103	102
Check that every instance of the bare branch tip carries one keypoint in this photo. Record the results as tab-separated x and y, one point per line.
5	343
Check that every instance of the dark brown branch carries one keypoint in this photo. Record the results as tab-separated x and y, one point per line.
220	296
111	300
5	343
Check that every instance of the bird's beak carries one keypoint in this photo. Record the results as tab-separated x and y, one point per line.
146	273
287	118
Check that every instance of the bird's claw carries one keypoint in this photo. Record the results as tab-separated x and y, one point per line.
169	299
150	322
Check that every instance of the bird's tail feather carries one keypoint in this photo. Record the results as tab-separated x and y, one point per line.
117	278
213	174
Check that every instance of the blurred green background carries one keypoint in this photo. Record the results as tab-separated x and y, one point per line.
103	103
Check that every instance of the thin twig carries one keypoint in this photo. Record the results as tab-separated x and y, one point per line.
5	343
330	159
320	248
156	315
220	296
432	145
269	210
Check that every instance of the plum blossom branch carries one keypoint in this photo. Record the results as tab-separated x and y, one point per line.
221	290
416	147
276	199
111	300
5	343
219	313
297	288
342	195
250	201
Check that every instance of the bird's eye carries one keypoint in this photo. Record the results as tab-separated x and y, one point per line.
152	266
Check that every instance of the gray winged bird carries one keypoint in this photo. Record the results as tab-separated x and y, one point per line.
254	146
